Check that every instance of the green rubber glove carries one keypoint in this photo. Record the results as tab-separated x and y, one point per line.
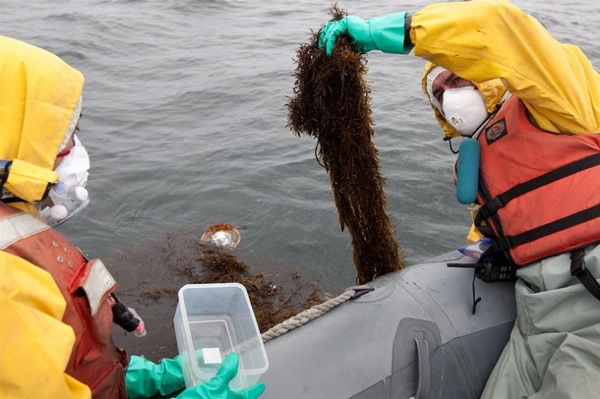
145	379
218	386
385	33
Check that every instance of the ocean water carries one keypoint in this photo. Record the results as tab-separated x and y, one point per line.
185	122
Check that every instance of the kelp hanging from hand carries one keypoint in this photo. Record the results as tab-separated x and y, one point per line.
331	103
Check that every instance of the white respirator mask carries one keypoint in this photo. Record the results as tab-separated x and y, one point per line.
464	109
68	196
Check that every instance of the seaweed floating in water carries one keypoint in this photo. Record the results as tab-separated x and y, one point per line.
331	103
271	303
151	274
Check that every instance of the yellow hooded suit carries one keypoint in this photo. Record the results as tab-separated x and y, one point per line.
560	89
39	96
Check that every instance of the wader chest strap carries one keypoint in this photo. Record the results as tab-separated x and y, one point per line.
586	278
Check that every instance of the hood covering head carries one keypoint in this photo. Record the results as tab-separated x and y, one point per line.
492	92
40	103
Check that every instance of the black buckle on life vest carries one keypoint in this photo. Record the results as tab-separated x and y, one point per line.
500	245
490	207
579	270
4	167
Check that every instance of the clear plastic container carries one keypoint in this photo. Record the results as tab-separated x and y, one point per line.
211	321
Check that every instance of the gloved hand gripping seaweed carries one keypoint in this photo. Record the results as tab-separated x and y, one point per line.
331	103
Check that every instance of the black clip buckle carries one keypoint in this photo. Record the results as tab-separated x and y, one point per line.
577	262
4	170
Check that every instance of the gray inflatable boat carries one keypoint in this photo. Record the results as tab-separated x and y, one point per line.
406	334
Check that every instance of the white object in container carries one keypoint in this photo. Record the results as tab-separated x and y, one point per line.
211	321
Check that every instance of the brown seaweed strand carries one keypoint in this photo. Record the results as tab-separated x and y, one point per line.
331	103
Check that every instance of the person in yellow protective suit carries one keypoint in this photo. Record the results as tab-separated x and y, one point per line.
56	306
487	56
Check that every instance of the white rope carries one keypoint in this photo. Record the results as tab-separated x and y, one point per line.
306	316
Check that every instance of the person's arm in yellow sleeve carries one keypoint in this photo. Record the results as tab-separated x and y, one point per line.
483	40
35	343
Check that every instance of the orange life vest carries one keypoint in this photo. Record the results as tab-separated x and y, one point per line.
538	190
94	361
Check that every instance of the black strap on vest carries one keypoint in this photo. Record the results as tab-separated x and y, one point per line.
492	206
507	242
579	270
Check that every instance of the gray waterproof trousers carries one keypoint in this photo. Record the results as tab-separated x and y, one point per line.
554	347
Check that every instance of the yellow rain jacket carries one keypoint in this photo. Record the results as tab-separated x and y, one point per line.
493	49
38	97
560	87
